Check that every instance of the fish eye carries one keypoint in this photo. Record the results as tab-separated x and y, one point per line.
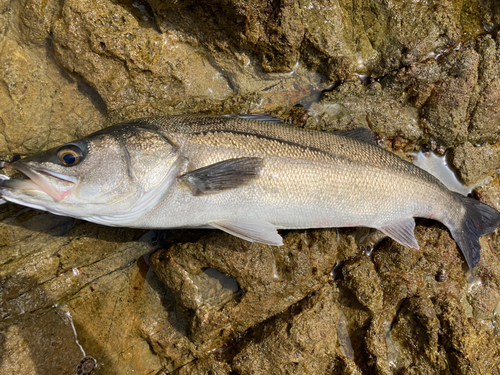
70	155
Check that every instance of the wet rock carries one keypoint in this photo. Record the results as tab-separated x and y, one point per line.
360	276
280	34
32	345
42	106
36	19
43	263
230	53
448	100
415	329
298	343
489	192
274	30
89	272
445	111
468	345
407	332
354	105
475	164
414	73
270	278
204	366
122	56
120	310
477	19
484	299
483	290
140	70
484	124
376	356
422	312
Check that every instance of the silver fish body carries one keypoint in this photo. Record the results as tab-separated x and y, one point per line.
246	176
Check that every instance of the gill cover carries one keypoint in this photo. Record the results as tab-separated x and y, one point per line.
151	165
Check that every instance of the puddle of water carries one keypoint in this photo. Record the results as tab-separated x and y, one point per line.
67	318
392	349
437	54
437	166
275	274
474	282
495	320
214	288
343	334
142	8
336	271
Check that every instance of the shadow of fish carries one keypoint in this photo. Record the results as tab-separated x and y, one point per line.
246	175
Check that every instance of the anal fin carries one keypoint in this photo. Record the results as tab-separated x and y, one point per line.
250	230
402	232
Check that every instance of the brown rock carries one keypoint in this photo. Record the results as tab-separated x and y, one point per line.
270	278
475	164
445	112
33	345
425	72
301	342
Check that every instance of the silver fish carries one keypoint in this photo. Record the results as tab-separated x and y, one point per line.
246	175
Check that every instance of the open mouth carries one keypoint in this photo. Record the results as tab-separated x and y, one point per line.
56	185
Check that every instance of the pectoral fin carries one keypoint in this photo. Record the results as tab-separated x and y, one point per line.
402	232
227	174
250	230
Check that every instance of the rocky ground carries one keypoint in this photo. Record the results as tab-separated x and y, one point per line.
76	297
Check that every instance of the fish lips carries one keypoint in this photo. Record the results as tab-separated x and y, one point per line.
56	185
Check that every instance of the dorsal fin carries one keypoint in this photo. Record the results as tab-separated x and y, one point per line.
361	134
257	117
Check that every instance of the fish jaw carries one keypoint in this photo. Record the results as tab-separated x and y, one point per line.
40	183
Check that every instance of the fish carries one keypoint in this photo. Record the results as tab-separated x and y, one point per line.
247	175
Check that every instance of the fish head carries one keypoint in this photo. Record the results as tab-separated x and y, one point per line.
111	177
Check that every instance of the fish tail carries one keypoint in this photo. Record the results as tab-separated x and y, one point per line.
478	220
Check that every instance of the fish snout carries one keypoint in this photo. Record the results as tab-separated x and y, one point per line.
57	185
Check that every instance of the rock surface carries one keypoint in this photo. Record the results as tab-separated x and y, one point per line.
81	298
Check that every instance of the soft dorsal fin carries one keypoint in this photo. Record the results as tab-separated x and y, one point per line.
250	230
361	134
257	117
227	174
402	232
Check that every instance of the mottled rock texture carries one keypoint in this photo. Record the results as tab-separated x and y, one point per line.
191	302
271	279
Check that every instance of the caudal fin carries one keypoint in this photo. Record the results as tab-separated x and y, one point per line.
479	220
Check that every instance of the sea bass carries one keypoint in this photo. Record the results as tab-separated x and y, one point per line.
247	175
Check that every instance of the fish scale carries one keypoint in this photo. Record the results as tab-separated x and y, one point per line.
318	170
247	175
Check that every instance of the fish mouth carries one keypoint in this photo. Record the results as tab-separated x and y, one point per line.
56	185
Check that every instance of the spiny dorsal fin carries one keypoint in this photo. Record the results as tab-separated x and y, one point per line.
402	232
257	117
227	174
361	134
250	230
